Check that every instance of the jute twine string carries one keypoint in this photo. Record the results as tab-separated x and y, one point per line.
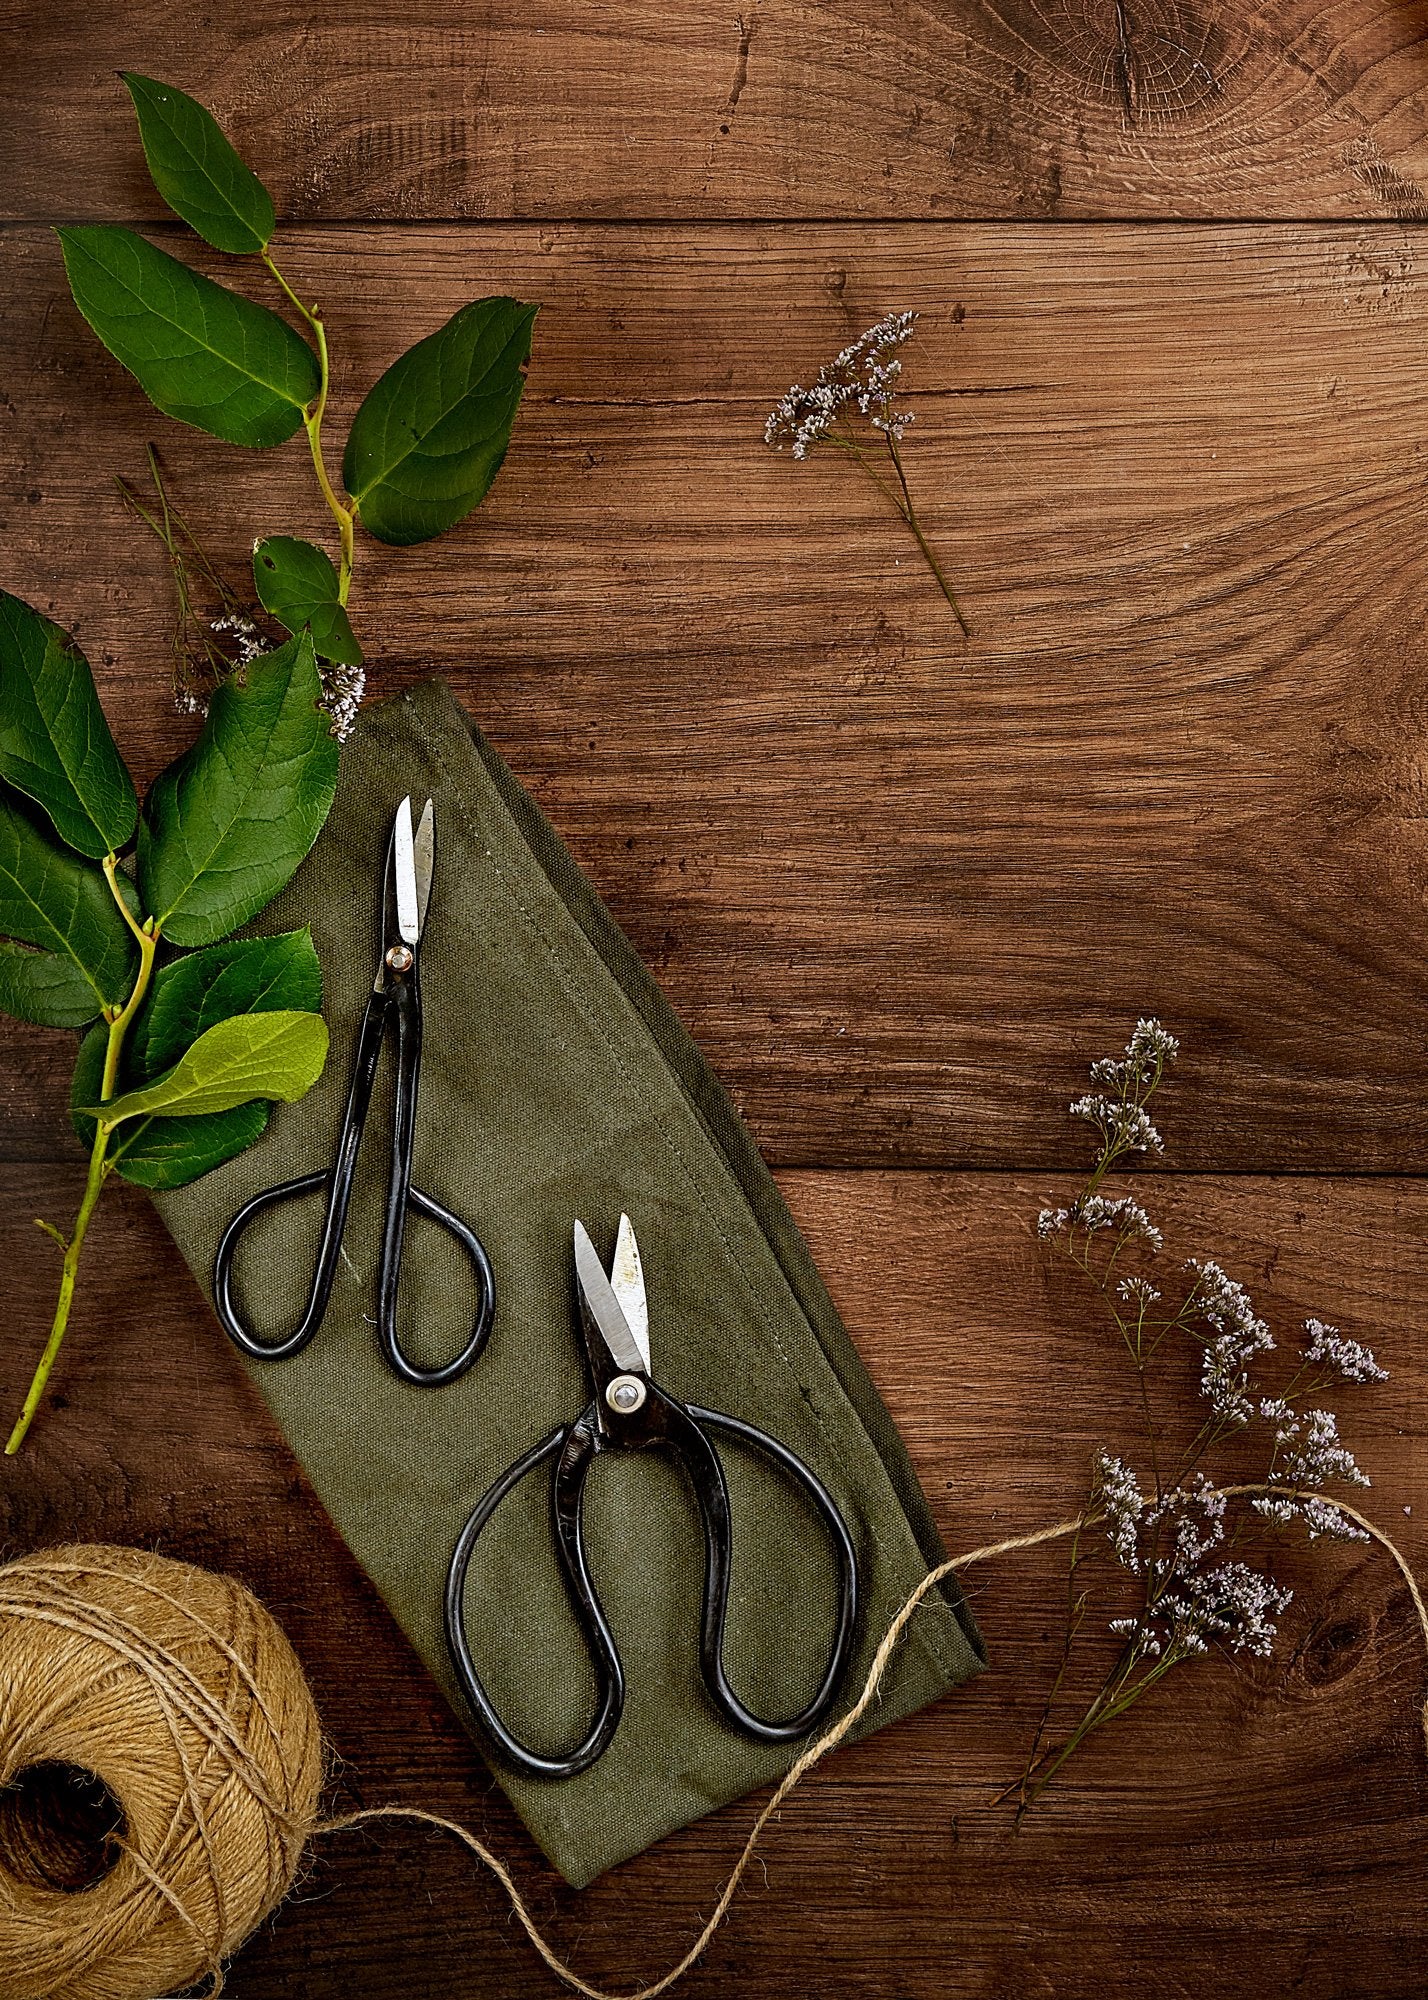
177	1690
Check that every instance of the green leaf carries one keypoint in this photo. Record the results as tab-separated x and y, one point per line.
197	172
83	956
162	1152
225	826
37	986
199	351
298	584
431	434
55	745
250	1055
244	976
187	997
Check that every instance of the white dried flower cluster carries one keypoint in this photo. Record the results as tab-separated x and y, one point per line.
860	377
1223	1305
1314	1453
342	692
1350	1359
1195	1515
1124	1127
1138	1292
1320	1516
248	641
1230	1605
1122	1503
1150	1049
1099	1211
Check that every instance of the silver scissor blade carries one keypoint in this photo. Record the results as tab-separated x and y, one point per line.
605	1308
424	860
627	1282
404	881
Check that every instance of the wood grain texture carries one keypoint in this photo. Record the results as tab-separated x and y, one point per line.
899	888
1252	1810
779	108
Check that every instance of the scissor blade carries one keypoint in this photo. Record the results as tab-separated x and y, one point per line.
627	1282
424	860
604	1307
404	880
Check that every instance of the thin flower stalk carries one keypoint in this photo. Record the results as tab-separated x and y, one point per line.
862	383
1189	1553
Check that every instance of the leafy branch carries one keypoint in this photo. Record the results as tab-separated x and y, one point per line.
427	440
181	1059
117	920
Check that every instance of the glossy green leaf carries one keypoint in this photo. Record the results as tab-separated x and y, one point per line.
201	353
431	434
277	1055
187	997
196	170
163	1152
225	826
243	976
55	745
38	986
297	583
83	955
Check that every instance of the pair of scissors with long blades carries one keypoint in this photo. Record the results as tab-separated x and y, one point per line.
630	1411
395	1003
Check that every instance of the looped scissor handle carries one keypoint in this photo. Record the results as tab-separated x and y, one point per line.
576	1446
320	1294
574	1450
713	1495
338	1181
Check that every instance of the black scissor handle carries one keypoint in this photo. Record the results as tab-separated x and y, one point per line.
707	1477
573	1447
320	1294
574	1450
321	1290
338	1181
402	1196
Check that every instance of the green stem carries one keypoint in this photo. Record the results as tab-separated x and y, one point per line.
93	1187
100	1166
345	517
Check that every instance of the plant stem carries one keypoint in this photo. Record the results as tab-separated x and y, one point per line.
344	516
93	1187
909	513
100	1166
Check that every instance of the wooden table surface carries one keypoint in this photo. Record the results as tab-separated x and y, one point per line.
1170	438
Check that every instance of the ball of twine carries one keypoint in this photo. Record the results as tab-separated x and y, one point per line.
160	1764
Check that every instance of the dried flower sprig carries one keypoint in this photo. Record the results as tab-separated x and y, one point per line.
1194	1547
862	381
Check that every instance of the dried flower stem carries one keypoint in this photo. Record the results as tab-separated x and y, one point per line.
861	381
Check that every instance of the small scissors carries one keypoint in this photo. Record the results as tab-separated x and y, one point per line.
630	1412
395	996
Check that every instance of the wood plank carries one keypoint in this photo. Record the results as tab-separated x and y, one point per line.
1251	1811
787	108
900	889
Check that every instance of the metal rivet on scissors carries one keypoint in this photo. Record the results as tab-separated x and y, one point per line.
630	1412
395	998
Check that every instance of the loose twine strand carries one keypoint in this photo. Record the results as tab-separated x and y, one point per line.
821	1747
264	1742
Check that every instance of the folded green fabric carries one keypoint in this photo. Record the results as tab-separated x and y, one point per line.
556	1084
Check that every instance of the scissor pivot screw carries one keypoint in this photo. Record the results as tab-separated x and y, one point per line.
626	1394
400	958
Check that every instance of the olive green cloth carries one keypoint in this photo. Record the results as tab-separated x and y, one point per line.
557	1083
